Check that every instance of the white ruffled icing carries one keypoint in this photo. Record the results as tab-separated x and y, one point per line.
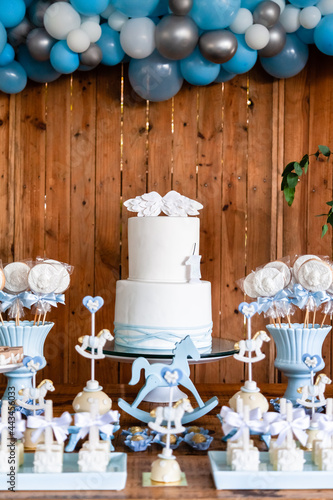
172	204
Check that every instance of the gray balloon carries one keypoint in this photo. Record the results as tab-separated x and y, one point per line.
266	13
176	37
277	40
37	10
180	7
40	43
92	56
19	33
218	46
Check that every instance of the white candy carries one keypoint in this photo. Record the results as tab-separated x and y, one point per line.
315	275
283	268
16	275
43	278
300	261
248	286
268	281
64	278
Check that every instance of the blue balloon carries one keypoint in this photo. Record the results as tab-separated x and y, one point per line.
28	2
250	4
244	59
323	35
38	71
3	37
109	42
135	8
305	35
11	12
13	78
214	14
303	3
290	61
197	70
161	9
224	76
63	59
90	7
154	77
7	55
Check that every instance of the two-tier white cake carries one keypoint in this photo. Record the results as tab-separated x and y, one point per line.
163	300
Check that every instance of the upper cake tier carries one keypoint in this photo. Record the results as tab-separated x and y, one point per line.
158	248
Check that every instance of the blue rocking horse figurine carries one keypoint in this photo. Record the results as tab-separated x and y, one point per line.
154	374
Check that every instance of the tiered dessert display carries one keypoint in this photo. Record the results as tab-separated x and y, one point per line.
38	285
279	288
163	300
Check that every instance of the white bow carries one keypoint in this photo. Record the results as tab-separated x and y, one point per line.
297	427
103	422
233	420
59	426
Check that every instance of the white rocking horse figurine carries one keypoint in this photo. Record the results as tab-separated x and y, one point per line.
37	393
251	345
96	344
174	414
315	390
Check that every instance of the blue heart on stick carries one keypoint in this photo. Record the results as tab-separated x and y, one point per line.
93	304
311	362
248	310
172	377
33	364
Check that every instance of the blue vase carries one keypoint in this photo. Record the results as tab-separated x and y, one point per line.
32	338
291	344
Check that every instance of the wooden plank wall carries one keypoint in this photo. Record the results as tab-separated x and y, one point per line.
72	151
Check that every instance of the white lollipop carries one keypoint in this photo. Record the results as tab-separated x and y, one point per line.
315	275
283	268
300	261
268	281
64	278
249	286
16	274
43	278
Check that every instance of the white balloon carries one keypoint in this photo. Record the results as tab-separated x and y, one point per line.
78	40
281	4
137	37
93	30
309	17
108	11
290	18
94	19
257	36
242	21
117	20
325	7
60	18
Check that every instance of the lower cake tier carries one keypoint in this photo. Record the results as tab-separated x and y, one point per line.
158	315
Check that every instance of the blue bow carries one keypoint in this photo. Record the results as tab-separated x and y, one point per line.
49	298
302	297
8	300
266	303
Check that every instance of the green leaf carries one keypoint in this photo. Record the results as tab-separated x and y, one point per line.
304	160
289	194
330	203
292	180
324	230
298	169
325	151
330	219
288	168
284	183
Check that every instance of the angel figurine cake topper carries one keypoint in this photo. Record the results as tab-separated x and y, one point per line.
172	204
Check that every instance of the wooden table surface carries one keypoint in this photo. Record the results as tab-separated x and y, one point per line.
195	464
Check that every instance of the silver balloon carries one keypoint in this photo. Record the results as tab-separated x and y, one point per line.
92	56
19	33
36	12
180	7
218	46
39	44
277	40
176	36
266	13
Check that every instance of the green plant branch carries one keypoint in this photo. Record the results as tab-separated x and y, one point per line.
291	175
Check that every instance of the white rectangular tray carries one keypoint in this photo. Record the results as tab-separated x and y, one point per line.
70	479
266	478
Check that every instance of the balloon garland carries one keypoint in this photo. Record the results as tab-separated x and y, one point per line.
165	41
